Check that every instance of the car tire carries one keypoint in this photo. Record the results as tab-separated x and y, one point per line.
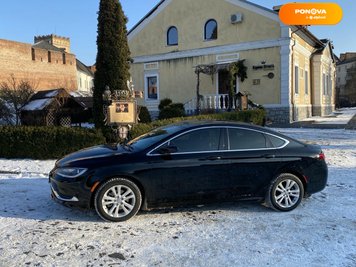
285	193
117	200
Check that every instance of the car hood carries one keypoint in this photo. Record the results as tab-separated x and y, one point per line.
92	153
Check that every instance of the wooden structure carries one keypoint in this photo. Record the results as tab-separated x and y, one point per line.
54	108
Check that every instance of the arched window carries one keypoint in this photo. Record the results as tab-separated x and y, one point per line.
172	36
211	30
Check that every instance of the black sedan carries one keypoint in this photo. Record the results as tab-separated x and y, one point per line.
190	162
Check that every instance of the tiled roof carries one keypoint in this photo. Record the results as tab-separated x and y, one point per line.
84	68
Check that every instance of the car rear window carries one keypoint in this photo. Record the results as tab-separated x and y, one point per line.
246	139
276	142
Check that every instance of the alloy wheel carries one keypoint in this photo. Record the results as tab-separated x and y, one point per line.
287	193
118	201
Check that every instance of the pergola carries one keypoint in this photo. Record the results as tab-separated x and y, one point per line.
208	69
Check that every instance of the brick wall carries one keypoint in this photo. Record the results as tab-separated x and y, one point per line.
17	59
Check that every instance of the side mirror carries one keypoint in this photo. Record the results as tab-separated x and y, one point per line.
167	150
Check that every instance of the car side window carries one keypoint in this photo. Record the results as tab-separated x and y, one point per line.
197	141
276	142
246	139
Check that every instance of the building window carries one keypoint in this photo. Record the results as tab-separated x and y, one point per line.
211	30
306	87
33	54
49	57
151	86
325	92
172	36
328	79
64	58
296	80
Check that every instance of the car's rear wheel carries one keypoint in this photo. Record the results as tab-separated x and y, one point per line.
286	192
117	200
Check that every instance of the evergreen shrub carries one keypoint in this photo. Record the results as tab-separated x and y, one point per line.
255	116
168	109
45	142
144	115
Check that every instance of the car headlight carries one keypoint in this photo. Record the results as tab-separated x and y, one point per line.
71	172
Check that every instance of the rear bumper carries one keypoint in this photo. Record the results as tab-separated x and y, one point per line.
317	179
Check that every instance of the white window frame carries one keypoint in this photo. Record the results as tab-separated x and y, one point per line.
146	76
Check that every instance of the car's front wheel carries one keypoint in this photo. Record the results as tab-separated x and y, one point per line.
286	192
117	200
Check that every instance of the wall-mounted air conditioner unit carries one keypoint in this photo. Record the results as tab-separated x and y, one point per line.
236	18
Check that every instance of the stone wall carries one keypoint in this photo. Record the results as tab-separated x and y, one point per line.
302	112
323	110
280	115
42	68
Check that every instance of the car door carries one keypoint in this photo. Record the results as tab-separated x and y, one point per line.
254	161
188	167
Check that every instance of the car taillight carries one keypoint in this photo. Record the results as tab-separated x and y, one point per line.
321	156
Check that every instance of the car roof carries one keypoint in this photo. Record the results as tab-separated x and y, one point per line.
207	123
213	123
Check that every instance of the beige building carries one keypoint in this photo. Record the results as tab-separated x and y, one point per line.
85	79
290	71
346	79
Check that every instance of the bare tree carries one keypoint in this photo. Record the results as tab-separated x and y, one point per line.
14	95
6	116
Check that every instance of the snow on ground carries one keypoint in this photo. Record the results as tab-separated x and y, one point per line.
35	231
339	116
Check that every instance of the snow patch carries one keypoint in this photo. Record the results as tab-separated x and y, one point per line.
37	104
36	231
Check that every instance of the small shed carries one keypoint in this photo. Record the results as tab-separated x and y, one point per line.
52	107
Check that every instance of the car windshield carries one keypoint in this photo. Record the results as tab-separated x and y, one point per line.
146	140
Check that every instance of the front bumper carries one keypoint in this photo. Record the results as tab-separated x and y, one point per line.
70	192
62	198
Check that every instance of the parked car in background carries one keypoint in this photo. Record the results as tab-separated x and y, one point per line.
190	162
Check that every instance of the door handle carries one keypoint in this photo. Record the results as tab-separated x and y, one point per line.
269	156
213	158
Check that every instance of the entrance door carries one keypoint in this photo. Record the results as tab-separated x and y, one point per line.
224	83
224	90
